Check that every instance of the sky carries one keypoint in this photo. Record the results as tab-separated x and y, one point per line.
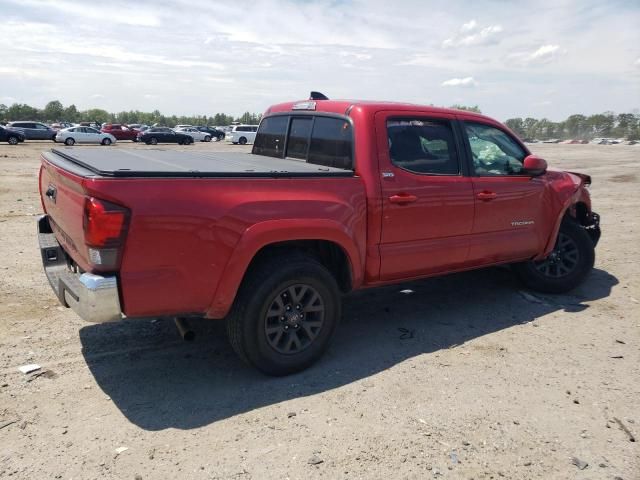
548	58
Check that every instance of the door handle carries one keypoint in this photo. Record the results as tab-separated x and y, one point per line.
402	198
486	195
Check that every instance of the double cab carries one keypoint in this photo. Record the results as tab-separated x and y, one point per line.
335	196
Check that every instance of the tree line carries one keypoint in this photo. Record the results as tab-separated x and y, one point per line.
54	111
580	127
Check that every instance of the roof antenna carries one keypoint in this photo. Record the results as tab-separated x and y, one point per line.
317	96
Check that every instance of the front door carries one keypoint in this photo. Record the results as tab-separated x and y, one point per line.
508	201
427	201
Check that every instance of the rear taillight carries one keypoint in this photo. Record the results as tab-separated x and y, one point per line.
105	227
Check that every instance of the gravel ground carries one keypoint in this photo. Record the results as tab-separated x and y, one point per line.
466	376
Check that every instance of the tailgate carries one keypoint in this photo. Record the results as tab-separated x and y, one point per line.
63	197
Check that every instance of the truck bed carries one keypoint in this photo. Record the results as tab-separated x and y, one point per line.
155	162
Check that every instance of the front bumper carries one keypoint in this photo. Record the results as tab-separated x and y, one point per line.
93	297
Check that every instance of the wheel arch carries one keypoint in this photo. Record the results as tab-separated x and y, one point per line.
576	209
327	240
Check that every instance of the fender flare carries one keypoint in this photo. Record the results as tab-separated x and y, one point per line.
551	240
269	232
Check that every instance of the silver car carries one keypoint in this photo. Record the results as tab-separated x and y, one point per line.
69	136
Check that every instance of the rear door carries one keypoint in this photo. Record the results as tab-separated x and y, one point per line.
427	199
508	203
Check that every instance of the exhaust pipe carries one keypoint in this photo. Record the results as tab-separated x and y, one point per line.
186	333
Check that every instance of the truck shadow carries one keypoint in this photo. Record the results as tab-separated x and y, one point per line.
158	381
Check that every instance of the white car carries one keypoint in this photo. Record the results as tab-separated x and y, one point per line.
194	133
72	135
242	134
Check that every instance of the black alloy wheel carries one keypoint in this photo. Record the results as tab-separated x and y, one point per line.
567	265
294	319
562	260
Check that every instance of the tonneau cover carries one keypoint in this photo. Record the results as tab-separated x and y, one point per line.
155	162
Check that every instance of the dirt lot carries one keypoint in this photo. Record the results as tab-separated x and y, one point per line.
466	377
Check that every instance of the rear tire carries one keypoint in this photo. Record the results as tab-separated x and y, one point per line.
207	138
566	267
13	140
242	141
153	141
69	142
285	314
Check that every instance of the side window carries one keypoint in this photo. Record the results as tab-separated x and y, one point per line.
270	138
494	152
254	129
423	146
298	145
331	143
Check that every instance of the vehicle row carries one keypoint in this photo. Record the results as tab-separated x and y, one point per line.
92	132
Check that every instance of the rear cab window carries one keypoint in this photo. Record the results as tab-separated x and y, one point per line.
317	139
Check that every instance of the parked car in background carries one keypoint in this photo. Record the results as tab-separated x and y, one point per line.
72	135
242	134
141	127
120	132
13	137
34	130
194	133
61	125
216	134
156	135
95	125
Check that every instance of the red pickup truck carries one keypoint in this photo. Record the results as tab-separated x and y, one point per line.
336	196
121	132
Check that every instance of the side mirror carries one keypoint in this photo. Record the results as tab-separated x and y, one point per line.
534	165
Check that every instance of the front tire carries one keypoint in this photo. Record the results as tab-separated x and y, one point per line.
13	140
567	265
153	141
285	314
207	138
106	141
69	142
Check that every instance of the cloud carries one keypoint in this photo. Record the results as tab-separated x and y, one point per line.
471	34
637	63
544	53
460	82
356	55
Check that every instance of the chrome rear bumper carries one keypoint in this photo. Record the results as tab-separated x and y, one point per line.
93	297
